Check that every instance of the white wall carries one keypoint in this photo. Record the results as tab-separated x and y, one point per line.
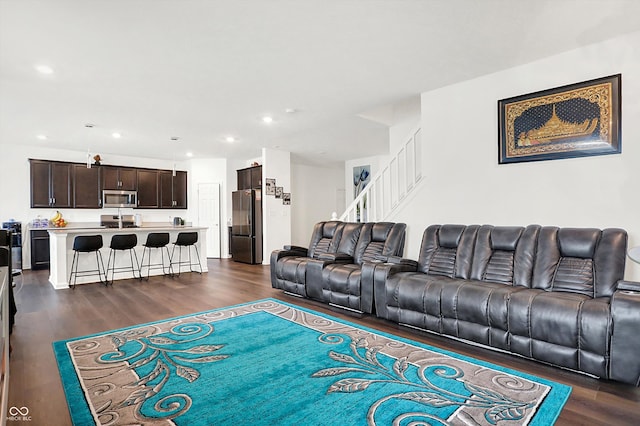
276	217
465	184
406	121
314	197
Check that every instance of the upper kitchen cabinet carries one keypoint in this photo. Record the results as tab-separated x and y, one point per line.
148	189
51	184
124	178
86	187
250	178
173	189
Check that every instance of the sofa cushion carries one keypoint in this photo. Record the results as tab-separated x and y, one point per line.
567	329
344	284
290	273
580	260
505	254
447	250
325	238
379	240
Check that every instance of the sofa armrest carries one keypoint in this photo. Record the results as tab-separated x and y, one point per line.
629	286
377	275
624	362
397	260
336	258
302	251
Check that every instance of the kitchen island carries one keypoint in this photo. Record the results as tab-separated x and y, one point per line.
61	250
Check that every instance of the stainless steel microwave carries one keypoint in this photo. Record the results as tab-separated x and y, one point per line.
117	198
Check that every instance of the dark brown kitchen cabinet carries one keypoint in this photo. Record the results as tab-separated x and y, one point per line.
147	189
50	184
39	239
60	184
250	178
86	187
124	178
173	189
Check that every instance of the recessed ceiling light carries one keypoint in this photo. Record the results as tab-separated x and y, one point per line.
44	69
189	154
267	119
175	138
290	110
42	137
230	139
116	135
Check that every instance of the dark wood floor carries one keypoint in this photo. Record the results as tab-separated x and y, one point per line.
46	315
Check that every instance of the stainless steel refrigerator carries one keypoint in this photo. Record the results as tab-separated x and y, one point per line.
246	226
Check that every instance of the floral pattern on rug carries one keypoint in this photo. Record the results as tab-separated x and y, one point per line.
158	357
364	361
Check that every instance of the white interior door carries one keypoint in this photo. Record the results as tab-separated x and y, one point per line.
209	215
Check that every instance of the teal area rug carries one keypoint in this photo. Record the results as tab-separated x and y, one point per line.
272	363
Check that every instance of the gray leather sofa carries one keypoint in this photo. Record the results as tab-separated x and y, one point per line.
330	270
550	294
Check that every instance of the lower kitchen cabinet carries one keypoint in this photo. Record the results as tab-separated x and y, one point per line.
39	249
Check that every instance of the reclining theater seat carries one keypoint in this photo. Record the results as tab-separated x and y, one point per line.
345	252
342	282
406	296
477	309
565	318
288	266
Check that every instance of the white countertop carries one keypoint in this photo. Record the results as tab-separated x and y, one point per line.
103	229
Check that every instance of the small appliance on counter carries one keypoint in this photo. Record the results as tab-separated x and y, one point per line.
178	221
113	221
15	232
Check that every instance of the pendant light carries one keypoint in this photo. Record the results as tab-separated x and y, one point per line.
88	126
173	171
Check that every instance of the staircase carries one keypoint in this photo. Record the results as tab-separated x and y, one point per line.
390	186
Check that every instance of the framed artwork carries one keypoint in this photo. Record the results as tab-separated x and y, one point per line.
278	192
361	177
576	120
286	198
270	186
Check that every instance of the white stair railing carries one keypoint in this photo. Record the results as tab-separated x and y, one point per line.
390	185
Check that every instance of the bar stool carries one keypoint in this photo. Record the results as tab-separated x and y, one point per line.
186	239
156	240
123	242
87	244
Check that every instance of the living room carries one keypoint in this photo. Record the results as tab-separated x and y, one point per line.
462	182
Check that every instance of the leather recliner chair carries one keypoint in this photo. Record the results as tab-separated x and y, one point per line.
288	266
340	274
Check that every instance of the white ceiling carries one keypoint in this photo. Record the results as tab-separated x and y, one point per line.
205	69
